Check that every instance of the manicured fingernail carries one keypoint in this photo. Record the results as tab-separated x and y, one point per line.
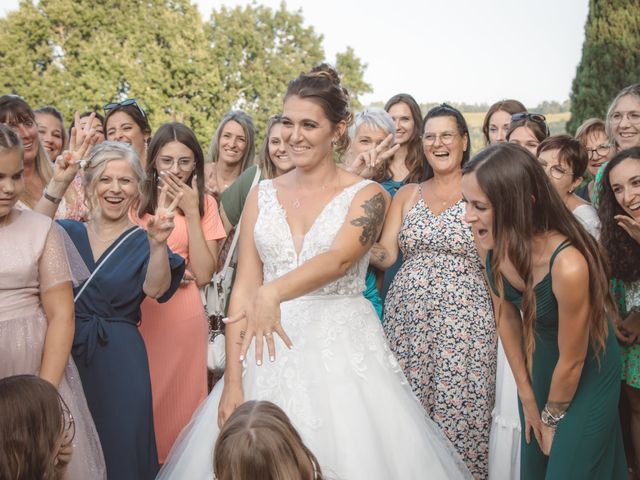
259	362
272	358
225	319
242	358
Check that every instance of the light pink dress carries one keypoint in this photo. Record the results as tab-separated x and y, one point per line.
33	259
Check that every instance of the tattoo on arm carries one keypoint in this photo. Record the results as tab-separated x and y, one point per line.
378	252
372	219
242	334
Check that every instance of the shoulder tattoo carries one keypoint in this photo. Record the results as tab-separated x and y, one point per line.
372	219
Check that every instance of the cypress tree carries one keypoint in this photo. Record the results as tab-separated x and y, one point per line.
610	58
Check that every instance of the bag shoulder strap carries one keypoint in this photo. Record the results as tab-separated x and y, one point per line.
133	230
236	235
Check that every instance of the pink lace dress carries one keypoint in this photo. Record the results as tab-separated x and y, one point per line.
33	259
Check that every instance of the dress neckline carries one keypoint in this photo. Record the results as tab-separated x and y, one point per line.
564	244
95	262
283	212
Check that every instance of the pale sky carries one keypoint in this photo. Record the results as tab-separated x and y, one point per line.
470	51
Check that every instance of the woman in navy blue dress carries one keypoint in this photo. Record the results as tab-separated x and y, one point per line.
127	264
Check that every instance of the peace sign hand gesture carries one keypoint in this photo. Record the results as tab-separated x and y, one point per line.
161	224
368	163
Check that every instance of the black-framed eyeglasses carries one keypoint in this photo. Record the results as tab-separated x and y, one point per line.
601	150
129	101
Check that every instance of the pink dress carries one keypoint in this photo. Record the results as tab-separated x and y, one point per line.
32	260
175	334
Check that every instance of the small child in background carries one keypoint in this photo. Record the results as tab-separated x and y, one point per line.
37	430
259	441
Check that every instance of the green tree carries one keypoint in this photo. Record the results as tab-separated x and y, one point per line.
79	54
610	58
258	50
351	69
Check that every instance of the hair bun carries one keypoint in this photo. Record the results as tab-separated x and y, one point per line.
327	71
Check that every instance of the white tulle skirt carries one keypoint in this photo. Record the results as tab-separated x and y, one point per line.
344	392
504	443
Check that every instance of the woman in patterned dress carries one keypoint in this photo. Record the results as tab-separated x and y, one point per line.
438	315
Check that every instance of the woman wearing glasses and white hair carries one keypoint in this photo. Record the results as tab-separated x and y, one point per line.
438	316
126	264
175	332
564	160
127	122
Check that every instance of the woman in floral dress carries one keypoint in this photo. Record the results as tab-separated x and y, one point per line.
438	316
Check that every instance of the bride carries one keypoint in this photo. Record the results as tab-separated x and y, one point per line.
304	251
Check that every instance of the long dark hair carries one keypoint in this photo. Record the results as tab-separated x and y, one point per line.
167	133
444	110
624	251
31	422
525	203
415	162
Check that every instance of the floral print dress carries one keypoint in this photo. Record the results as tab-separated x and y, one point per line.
439	322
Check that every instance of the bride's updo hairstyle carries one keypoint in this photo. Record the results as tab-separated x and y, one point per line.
322	86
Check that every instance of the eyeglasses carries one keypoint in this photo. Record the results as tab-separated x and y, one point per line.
446	138
68	424
633	117
555	171
534	117
129	101
186	165
601	150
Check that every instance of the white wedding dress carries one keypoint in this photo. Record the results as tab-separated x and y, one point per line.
340	384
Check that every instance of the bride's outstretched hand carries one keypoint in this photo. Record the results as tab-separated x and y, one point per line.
263	321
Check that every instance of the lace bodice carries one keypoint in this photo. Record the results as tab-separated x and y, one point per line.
276	247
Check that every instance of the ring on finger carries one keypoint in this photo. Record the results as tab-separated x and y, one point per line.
268	334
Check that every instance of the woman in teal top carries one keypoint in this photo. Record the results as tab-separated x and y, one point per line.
561	348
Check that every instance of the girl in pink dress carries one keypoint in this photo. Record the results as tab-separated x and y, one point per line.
36	305
175	332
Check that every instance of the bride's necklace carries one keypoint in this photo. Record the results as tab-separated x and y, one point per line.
323	188
102	239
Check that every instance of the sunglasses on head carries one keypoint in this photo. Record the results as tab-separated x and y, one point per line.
534	117
129	101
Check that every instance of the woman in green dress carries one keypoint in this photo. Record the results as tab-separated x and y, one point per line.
561	348
620	219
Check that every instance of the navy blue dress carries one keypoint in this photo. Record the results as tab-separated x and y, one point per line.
110	354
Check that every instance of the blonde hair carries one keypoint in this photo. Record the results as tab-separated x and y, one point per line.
97	161
258	441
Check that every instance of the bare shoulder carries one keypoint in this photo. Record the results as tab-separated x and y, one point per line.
570	269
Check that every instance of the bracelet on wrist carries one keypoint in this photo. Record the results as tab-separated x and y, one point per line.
550	419
51	198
